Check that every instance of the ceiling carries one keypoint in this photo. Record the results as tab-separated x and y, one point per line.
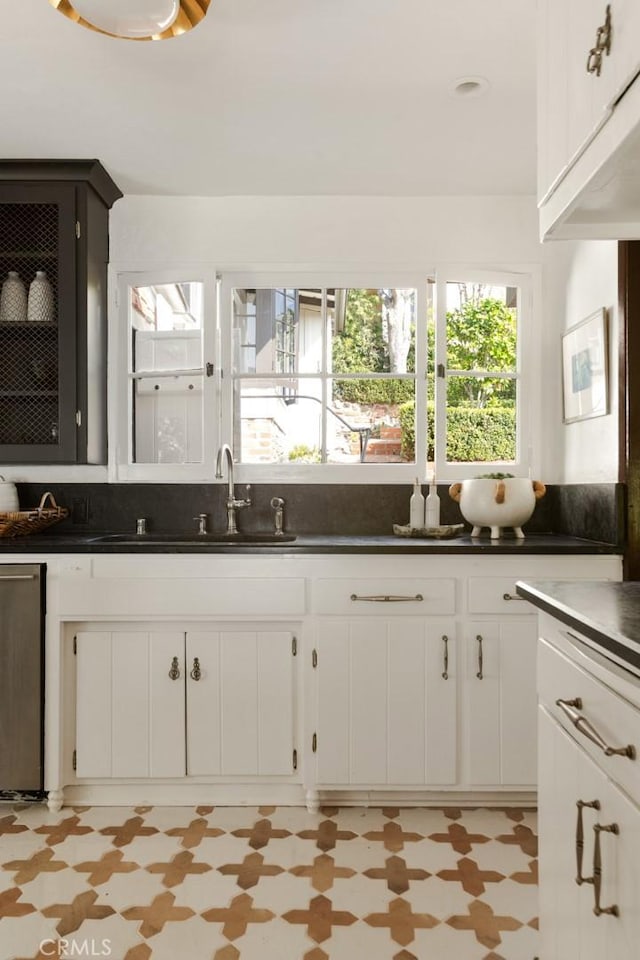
282	97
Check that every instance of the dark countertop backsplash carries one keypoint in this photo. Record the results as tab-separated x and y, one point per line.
589	511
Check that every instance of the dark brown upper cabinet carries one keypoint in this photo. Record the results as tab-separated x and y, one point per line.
54	220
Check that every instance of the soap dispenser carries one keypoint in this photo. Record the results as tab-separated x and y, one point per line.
432	506
416	507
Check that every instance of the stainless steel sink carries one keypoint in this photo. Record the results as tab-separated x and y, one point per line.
188	539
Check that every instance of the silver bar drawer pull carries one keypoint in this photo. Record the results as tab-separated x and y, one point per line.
597	869
18	576
445	657
512	596
580	722
387	598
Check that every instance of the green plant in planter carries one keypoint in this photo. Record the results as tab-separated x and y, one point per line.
494	476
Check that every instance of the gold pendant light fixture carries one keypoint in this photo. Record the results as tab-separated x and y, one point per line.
135	19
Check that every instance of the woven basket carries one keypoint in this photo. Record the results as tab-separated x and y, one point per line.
21	522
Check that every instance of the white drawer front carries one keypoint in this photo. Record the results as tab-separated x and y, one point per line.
370	597
496	595
612	717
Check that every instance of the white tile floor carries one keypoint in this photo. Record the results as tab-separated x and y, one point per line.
178	883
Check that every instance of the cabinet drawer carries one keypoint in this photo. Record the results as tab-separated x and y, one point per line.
396	596
612	717
496	595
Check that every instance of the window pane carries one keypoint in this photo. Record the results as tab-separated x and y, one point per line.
481	420
374	331
481	327
167	419
166	323
370	421
266	332
278	420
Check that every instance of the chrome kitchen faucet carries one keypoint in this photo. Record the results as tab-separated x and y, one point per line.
232	503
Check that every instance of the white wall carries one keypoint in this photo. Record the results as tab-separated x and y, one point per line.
237	232
579	278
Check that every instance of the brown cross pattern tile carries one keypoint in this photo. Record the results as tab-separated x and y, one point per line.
141	952
471	877
100	871
397	874
9	906
484	923
194	834
72	915
402	921
524	837
496	956
329	811
404	955
178	868
9	825
204	811
316	954
322	872
391	812
229	952
160	911
320	918
124	833
534	923
326	835
458	837
261	833
266	811
393	837
58	832
143	810
452	813
250	870
527	876
40	862
237	916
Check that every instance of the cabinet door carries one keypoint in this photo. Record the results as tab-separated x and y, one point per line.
130	704
38	357
500	702
568	924
386	702
240	703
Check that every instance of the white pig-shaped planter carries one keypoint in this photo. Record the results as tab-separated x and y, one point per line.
496	503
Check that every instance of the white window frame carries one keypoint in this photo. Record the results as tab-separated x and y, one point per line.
218	389
522	466
324	472
120	413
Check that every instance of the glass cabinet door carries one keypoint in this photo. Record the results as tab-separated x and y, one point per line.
37	322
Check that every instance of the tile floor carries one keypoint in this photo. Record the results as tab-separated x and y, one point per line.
267	883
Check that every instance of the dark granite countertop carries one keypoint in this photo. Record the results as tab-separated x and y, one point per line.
605	612
310	544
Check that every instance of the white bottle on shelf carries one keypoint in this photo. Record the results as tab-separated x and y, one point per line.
432	506
416	507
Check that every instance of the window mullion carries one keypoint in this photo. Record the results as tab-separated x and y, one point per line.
440	386
420	408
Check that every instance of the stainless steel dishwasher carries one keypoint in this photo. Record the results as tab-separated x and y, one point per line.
22	595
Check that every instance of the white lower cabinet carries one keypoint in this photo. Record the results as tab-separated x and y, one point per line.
600	841
161	704
386	702
499	701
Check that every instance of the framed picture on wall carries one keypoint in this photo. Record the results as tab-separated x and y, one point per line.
585	386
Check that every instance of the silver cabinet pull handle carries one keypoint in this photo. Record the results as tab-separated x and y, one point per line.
18	576
581	804
196	672
174	672
599	828
512	596
480	674
386	598
445	657
580	722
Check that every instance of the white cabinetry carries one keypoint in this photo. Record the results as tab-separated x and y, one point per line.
387	702
589	819
588	117
215	702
